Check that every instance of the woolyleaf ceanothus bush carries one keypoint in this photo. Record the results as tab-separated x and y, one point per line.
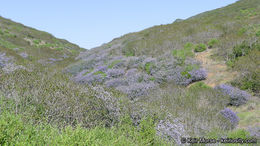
237	96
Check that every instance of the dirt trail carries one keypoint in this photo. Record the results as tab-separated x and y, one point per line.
218	72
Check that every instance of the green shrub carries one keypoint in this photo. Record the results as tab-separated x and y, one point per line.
200	48
230	63
191	67
241	50
15	131
182	54
148	66
212	43
249	78
234	134
188	46
245	59
37	42
186	74
242	31
152	79
258	33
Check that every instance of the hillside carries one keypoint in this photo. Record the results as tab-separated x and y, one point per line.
198	77
27	45
166	52
138	63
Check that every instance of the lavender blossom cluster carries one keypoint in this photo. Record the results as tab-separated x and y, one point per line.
231	116
237	96
171	129
3	59
198	75
136	90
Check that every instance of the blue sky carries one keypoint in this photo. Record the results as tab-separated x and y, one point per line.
90	23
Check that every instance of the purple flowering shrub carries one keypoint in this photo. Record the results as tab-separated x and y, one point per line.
136	89
254	131
101	68
198	75
115	73
171	129
3	59
230	116
237	96
24	55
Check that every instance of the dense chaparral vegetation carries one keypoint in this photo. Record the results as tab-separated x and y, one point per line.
144	88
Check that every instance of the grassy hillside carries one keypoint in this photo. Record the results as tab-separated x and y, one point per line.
23	43
146	88
229	25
